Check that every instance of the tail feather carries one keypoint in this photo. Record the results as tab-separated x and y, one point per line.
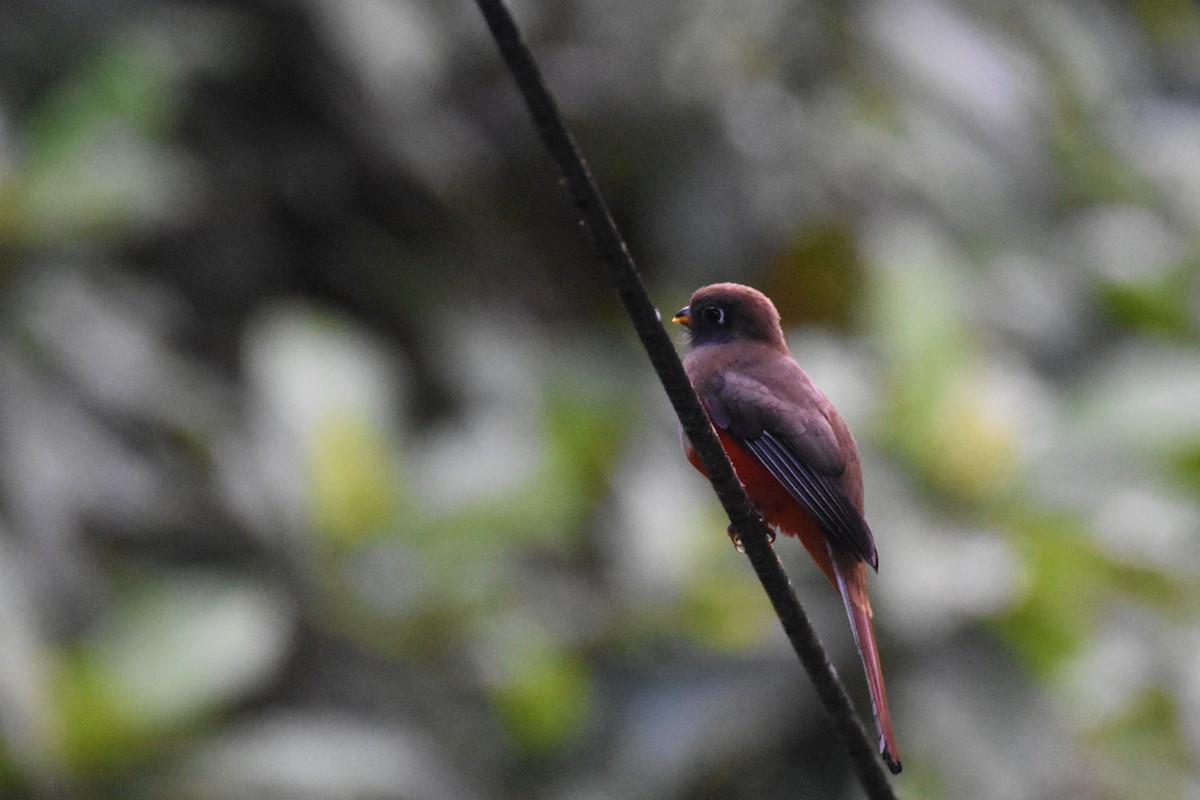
852	586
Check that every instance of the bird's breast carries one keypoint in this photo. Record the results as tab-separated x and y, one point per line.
772	500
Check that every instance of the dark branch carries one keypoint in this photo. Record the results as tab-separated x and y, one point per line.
625	277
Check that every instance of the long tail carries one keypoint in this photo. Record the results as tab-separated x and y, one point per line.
852	586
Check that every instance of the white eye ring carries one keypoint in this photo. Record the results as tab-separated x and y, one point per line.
714	314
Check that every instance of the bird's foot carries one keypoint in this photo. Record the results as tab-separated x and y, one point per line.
736	539
739	545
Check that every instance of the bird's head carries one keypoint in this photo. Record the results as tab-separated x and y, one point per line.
730	312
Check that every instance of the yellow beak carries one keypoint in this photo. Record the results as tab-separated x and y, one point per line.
683	317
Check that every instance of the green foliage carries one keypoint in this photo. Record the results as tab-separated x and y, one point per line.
1146	748
176	651
722	609
353	480
1064	592
1162	306
819	277
1172	22
543	696
940	416
96	160
1182	463
1070	585
583	419
887	176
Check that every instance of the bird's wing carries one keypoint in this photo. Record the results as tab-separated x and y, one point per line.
794	440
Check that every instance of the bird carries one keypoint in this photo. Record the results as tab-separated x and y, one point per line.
792	451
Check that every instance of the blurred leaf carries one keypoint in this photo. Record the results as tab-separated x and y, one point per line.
585	416
94	160
1170	595
462	561
1171	22
1069	581
1145	749
13	768
353	480
544	698
939	417
1183	464
175	651
926	345
970	450
1057	612
1138	400
725	611
1162	306
129	81
819	277
1093	171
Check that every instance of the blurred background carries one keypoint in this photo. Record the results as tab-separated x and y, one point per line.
331	469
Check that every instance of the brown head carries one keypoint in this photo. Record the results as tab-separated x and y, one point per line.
729	312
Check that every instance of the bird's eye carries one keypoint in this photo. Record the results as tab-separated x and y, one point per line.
714	315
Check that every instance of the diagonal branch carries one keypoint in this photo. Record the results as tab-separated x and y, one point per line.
625	277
